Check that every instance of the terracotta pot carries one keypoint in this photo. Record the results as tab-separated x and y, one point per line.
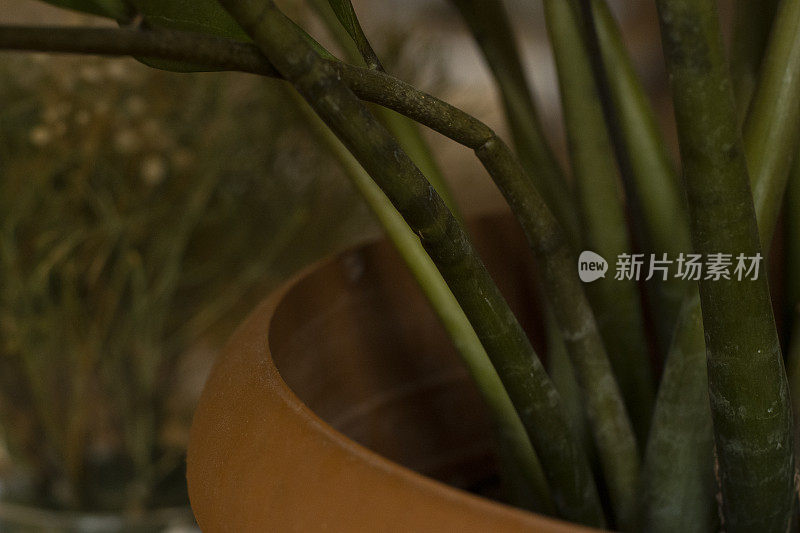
339	403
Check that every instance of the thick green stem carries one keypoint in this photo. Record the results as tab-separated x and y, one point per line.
671	434
408	133
512	439
443	238
605	231
488	22
747	383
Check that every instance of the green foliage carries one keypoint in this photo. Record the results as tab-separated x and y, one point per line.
347	17
201	16
126	236
745	386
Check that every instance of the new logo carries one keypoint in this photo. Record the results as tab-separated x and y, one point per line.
591	266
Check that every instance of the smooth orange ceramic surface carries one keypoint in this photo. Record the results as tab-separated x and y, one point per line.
338	393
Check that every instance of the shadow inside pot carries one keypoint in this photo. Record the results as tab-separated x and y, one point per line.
358	343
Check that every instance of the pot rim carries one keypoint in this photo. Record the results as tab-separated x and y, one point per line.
208	457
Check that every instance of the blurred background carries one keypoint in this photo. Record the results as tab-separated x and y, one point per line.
143	213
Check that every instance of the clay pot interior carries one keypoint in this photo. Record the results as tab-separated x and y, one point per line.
356	341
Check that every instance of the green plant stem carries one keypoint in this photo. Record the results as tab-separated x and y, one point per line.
409	134
488	22
792	222
346	15
606	411
405	130
678	483
564	290
752	25
563	375
616	302
747	384
673	438
512	439
528	385
222	54
213	53
772	128
650	179
608	419
444	239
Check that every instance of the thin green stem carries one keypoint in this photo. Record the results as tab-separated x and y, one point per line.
650	179
793	287
752	25
222	54
608	419
513	441
605	231
606	411
346	15
772	128
488	22
560	369
493	33
215	53
405	130
443	238
747	383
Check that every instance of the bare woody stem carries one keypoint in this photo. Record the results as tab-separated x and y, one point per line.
528	385
747	383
